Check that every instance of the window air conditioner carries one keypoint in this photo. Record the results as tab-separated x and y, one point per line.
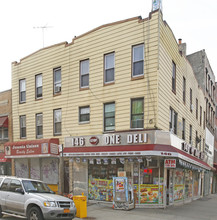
192	107
57	89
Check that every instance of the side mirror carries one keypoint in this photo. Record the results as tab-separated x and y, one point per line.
19	190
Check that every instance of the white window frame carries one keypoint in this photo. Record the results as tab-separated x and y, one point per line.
38	86
136	61
57	83
22	126
22	88
87	110
38	124
84	73
173	121
57	120
106	68
107	104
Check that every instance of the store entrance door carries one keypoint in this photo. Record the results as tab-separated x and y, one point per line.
169	187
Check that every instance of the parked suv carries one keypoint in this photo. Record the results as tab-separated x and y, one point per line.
33	199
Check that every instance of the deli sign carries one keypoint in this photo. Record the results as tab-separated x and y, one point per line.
170	163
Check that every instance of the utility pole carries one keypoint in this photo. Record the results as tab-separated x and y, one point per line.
43	28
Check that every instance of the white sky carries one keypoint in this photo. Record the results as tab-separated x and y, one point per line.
195	21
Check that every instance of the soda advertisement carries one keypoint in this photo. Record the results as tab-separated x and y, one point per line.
178	191
100	189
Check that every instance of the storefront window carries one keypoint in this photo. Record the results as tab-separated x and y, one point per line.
178	184
188	184
101	179
196	183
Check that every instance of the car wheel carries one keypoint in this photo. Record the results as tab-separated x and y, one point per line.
1	212
34	213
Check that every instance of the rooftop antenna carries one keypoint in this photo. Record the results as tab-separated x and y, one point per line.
156	4
43	28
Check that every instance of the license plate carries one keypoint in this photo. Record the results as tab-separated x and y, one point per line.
66	210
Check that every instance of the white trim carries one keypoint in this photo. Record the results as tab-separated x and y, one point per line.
32	156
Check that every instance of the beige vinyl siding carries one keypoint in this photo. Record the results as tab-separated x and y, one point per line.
169	52
118	38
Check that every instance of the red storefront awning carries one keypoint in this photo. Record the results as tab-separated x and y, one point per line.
32	148
4	121
3	159
134	150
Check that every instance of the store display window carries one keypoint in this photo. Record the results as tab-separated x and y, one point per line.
196	183
101	180
188	184
178	184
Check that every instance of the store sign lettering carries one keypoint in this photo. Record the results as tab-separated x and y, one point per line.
170	163
113	139
193	151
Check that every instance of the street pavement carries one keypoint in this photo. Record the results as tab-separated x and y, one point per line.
202	209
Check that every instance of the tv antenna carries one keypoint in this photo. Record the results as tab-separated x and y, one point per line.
43	28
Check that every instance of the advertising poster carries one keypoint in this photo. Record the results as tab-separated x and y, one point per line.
178	191
149	193
120	185
100	189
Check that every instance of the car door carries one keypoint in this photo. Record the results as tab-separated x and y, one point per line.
15	199
3	193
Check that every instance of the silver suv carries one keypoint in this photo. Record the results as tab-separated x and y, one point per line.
33	199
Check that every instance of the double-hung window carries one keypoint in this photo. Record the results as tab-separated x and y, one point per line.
39	125
84	114
38	86
84	73
109	72
22	126
22	90
138	60
173	77
191	105
190	134
184	90
183	128
57	122
109	117
173	121
3	133
137	113
57	80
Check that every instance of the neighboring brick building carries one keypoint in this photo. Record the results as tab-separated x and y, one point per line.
121	98
5	129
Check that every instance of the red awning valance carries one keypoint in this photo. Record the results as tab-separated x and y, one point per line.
3	159
4	121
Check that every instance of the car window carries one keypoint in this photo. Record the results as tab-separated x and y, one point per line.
15	184
36	186
4	186
1	180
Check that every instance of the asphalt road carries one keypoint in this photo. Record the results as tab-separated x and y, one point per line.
202	209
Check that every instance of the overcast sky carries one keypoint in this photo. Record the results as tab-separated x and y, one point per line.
195	21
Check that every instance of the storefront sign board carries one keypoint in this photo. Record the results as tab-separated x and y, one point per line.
170	163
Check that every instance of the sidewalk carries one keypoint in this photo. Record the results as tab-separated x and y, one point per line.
202	209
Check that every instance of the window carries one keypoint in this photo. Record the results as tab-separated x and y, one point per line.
14	184
174	77
57	80
173	121
38	86
204	120
196	139
57	121
191	105
3	133
39	125
184	90
196	108
22	90
23	126
109	62
201	115
109	117
84	114
138	60
84	74
137	113
183	128
4	186
190	134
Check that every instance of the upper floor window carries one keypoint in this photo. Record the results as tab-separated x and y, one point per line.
137	113
138	60
39	125
184	90
57	122
84	73
109	62
3	133
23	126
183	128
190	134
201	115
109	117
173	121
174	77
38	86
196	108
191	105
84	114
22	90
57	80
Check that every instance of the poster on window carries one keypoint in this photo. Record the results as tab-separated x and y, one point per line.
35	168
50	170
22	168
